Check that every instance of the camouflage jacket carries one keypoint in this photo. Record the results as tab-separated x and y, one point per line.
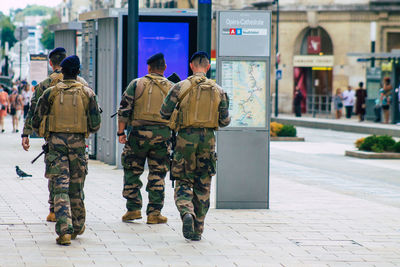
127	104
43	108
54	78
171	101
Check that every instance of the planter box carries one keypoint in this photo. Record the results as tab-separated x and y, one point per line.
372	155
284	138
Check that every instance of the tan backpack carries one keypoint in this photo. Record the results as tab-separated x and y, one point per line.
199	104
149	96
69	104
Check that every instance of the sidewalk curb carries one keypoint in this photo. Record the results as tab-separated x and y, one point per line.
337	126
371	155
285	138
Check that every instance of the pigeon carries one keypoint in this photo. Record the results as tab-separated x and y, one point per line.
21	173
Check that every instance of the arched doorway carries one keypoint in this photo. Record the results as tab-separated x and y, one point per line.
313	63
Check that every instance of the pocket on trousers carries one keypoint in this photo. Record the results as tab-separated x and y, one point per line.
51	168
178	165
212	168
127	157
83	161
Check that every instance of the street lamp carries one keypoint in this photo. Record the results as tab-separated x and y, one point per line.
276	56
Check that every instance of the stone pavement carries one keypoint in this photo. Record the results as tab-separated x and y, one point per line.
306	225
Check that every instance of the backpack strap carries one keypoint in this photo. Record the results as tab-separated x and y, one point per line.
165	92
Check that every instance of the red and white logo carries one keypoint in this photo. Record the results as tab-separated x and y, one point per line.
232	31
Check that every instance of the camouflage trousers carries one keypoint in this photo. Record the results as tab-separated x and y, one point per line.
50	186
151	143
193	166
67	169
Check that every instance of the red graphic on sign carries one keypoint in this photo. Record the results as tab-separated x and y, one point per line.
232	31
314	44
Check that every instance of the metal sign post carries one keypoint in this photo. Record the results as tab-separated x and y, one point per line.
21	33
243	70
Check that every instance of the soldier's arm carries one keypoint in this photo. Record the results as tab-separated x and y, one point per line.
170	101
127	103
42	109
38	91
223	109
94	118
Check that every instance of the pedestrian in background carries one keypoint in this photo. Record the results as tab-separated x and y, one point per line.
16	106
385	98
140	107
361	96
338	103
26	98
74	114
4	107
298	97
348	101
197	106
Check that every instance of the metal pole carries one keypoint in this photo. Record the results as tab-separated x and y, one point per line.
373	51
276	57
204	27
373	39
20	53
133	29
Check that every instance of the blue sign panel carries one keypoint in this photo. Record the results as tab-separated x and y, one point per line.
278	74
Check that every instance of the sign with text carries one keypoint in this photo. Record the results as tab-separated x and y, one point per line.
37	69
244	33
313	61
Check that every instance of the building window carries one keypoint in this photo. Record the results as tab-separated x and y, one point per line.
393	41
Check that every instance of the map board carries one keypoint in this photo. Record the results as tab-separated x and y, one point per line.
244	82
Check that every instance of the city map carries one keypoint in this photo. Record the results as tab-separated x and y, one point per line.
244	82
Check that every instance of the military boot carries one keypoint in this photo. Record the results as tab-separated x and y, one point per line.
132	215
155	219
64	240
51	217
196	237
75	234
187	228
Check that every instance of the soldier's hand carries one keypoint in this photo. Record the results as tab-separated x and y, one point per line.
122	139
25	143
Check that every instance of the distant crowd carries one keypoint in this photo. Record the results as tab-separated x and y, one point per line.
15	102
349	98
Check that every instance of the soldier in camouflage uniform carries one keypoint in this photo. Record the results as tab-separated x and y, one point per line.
140	107
68	112
56	56
196	106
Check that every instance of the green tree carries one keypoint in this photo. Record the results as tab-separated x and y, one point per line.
7	31
32	10
48	36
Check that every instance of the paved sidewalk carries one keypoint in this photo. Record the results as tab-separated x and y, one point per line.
306	226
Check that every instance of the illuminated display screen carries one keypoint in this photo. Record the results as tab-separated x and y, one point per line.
169	38
174	36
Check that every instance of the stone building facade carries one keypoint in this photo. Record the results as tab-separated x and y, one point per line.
337	27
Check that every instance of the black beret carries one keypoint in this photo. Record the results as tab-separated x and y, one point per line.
58	50
154	58
200	54
71	62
